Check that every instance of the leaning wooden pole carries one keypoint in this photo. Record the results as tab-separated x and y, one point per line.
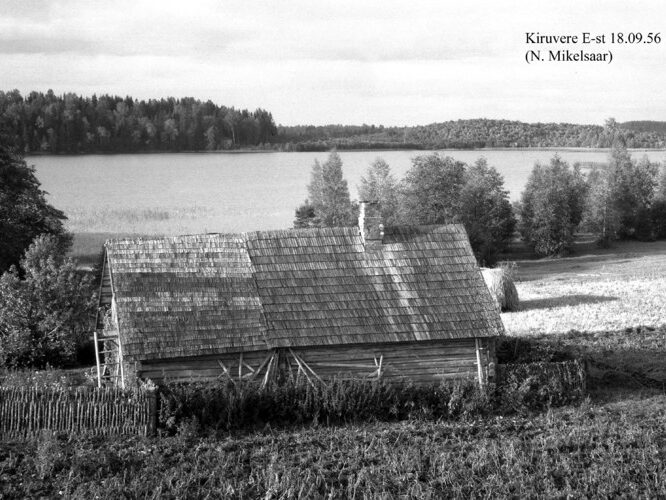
478	363
99	371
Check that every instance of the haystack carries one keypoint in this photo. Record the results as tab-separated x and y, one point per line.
502	289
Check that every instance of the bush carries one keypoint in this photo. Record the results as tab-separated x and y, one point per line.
49	456
45	308
223	406
658	218
536	386
514	350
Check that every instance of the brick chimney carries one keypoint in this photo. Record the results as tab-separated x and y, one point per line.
370	224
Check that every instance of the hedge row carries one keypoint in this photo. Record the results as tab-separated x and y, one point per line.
224	406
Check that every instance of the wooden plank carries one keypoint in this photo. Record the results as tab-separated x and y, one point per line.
268	371
158	375
316	353
402	365
478	363
196	363
343	365
250	356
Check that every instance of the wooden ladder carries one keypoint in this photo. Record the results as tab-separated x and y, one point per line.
109	371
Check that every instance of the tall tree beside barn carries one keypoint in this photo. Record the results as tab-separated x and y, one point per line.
621	197
552	207
486	212
441	190
24	212
329	204
658	208
379	185
431	190
601	215
634	189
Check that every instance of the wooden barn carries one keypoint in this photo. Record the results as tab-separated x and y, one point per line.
396	303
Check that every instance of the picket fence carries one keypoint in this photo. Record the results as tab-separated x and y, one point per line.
27	411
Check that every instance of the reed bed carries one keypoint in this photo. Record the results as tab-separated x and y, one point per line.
147	220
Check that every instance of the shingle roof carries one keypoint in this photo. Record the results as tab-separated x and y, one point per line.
210	294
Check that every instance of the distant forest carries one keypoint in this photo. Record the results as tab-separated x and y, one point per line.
69	123
471	134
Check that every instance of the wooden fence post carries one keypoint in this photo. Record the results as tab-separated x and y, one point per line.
151	396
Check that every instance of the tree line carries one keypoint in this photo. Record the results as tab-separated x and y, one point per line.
70	123
471	134
436	190
623	199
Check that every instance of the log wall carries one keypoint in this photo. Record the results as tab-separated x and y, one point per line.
202	367
420	362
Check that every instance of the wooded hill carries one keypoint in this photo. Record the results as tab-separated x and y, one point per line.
645	126
471	134
69	123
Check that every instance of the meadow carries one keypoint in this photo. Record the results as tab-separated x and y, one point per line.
608	305
604	306
616	450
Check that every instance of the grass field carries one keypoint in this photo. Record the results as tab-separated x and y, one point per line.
607	306
615	450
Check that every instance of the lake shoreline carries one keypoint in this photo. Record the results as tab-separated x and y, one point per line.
342	150
228	193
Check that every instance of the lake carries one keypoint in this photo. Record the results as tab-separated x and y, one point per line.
231	192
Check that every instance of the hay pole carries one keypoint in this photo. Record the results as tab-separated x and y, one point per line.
306	366
225	371
268	371
301	369
255	374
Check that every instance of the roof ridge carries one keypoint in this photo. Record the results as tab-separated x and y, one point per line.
268	233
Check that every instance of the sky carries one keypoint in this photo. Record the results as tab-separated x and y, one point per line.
350	62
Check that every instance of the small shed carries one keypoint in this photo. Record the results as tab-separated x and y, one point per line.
367	302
